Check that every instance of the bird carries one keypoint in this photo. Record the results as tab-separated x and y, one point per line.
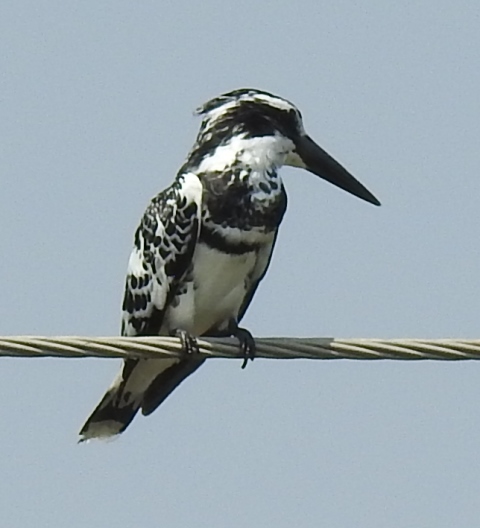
205	243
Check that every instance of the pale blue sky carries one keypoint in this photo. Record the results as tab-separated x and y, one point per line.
96	102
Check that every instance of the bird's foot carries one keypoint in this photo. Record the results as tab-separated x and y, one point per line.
189	342
247	343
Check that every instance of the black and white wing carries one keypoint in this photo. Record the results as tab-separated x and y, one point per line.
163	248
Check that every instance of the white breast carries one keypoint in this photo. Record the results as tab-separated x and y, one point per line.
215	294
220	283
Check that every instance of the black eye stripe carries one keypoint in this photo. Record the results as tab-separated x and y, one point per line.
250	118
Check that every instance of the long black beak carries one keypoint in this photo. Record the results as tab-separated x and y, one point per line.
319	162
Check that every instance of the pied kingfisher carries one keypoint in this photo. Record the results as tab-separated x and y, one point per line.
205	243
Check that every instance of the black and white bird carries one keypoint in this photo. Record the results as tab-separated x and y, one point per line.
205	243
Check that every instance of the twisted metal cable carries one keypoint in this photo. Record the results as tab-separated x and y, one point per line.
269	347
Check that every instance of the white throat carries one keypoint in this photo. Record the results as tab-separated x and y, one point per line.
259	154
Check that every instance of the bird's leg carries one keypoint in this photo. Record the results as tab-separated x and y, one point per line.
189	342
245	338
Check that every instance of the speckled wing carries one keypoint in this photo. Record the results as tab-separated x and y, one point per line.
163	248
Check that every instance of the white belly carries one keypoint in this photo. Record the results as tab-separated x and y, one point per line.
220	282
215	294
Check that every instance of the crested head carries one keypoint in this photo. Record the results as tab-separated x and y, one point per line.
254	124
260	131
252	113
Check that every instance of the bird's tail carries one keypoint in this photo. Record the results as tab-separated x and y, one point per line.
118	406
142	383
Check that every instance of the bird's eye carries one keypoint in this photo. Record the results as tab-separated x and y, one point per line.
294	121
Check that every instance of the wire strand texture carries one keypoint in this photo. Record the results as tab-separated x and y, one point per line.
269	348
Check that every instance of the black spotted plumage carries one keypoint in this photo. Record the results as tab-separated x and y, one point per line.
205	243
173	248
